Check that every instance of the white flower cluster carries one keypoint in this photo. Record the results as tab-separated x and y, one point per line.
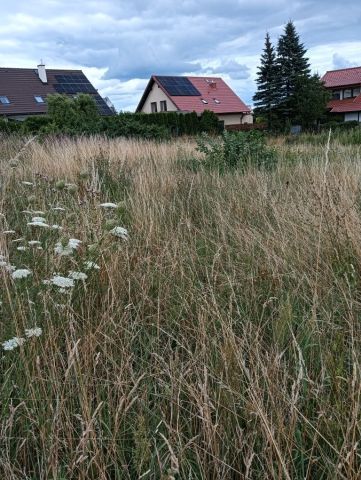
78	275
120	232
66	250
15	342
21	273
33	332
91	266
108	205
59	281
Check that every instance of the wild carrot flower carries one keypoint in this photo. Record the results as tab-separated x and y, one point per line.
22	248
30	184
120	232
33	332
62	282
33	243
13	343
108	205
38	224
91	266
65	250
38	219
78	275
21	273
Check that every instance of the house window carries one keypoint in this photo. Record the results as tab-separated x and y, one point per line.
163	106
204	101
39	99
4	100
356	91
336	95
153	107
347	93
216	101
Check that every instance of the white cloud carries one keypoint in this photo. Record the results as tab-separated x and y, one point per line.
119	44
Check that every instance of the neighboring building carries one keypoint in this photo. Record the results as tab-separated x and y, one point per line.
345	86
23	91
194	94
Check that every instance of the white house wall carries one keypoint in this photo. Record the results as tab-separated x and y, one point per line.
235	118
157	95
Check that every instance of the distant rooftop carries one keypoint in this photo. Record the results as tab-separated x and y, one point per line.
196	94
24	90
343	77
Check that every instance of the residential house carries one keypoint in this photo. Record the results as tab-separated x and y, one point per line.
23	91
194	94
345	87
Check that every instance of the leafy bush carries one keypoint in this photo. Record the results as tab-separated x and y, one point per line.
342	133
236	151
178	123
9	126
335	125
122	126
34	124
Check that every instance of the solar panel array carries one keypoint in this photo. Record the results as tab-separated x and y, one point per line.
102	106
71	84
178	86
75	84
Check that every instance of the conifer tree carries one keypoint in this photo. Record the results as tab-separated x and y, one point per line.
293	66
266	97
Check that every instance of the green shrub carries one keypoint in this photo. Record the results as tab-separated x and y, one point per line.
35	124
125	126
9	126
235	151
178	123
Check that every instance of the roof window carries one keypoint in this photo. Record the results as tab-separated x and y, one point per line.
4	100
39	99
204	101
216	101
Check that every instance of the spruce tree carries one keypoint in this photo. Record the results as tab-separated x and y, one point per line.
266	97
292	67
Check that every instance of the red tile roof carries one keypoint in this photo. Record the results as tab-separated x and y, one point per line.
210	89
346	105
342	78
20	85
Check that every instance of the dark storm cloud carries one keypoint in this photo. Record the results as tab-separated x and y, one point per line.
120	41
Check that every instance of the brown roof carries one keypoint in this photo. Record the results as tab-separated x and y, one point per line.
21	85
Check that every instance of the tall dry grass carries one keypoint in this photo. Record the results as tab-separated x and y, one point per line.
222	341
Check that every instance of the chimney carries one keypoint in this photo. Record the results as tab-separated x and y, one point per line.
213	84
42	72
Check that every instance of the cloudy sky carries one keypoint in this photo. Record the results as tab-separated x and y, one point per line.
120	43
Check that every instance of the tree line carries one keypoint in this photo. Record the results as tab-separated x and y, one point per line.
287	92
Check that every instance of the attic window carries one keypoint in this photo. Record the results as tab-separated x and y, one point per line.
216	101
39	99
204	101
4	100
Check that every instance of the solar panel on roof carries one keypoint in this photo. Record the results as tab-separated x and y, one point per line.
178	86
78	83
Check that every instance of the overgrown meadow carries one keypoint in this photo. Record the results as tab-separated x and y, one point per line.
161	322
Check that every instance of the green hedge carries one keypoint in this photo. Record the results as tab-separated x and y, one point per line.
80	116
179	123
